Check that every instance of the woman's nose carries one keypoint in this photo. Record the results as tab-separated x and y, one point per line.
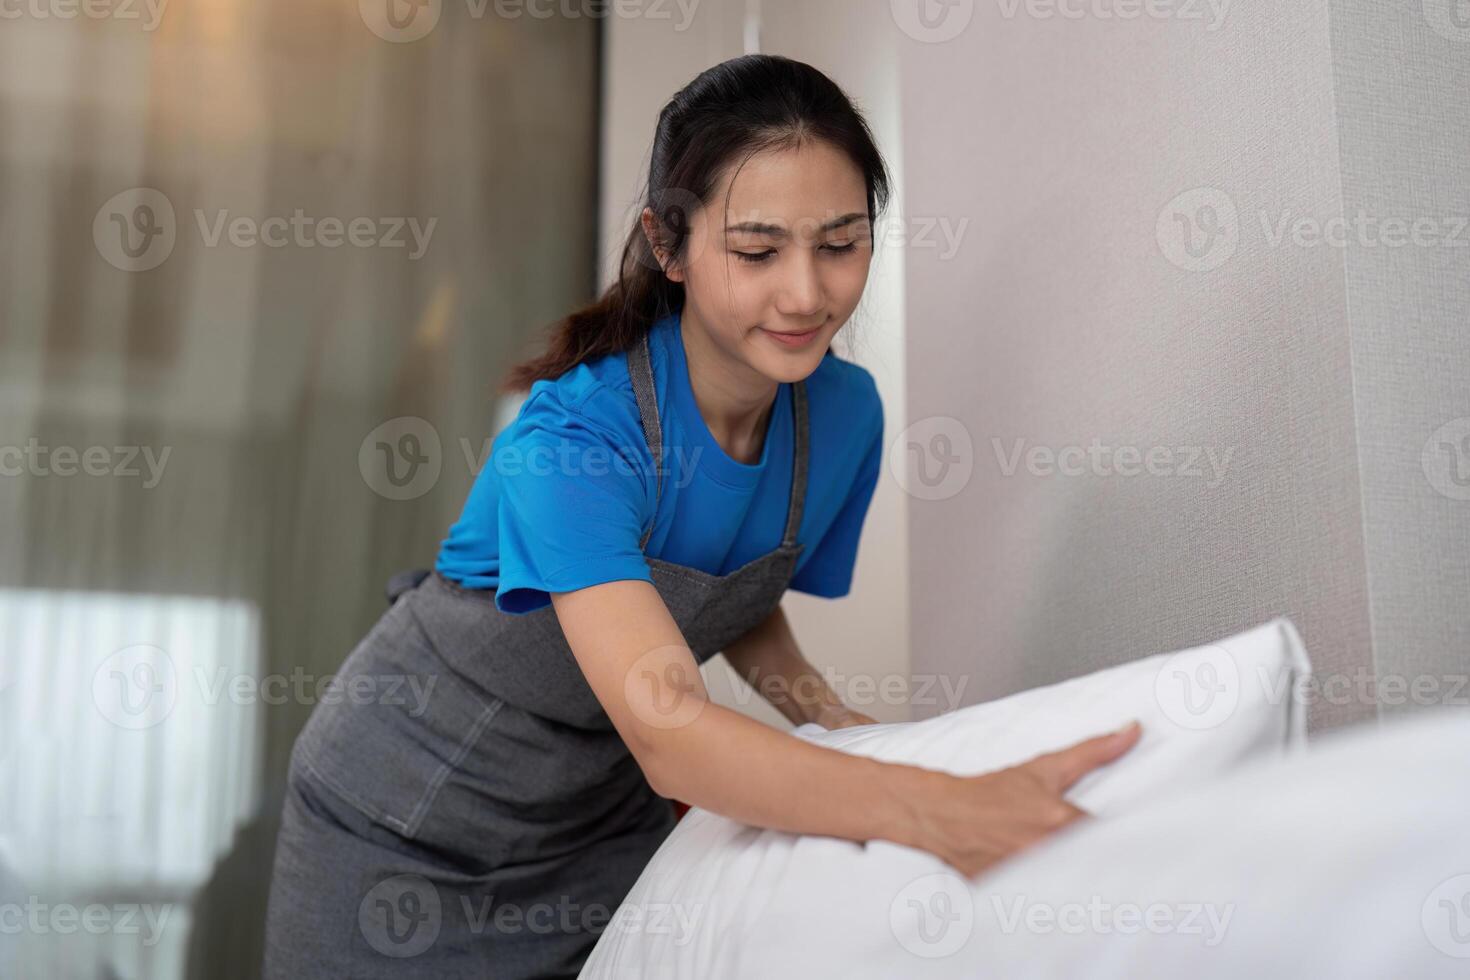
801	287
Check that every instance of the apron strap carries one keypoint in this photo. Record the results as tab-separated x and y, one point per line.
640	371
798	465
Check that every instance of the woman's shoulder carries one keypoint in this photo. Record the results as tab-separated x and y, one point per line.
598	384
593	399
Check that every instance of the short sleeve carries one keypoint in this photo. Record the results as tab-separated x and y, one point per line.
573	504
828	573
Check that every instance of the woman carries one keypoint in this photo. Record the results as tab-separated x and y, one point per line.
690	449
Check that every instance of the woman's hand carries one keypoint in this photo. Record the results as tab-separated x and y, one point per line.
834	716
974	822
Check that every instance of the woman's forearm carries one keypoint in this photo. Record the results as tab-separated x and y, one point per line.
771	662
736	766
703	753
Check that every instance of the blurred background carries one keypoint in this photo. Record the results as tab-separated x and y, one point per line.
224	550
263	265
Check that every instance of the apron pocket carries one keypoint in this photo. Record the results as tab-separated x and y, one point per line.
394	726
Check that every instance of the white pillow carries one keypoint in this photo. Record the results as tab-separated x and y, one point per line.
1350	861
721	899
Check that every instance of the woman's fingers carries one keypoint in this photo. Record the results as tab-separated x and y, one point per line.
1060	769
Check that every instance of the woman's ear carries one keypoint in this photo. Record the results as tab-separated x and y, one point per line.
654	234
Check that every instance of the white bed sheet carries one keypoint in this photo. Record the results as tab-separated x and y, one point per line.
724	900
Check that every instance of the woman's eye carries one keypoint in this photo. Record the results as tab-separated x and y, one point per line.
758	257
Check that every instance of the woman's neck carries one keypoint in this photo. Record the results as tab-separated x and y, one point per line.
734	400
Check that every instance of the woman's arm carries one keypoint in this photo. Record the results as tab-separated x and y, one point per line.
771	662
646	679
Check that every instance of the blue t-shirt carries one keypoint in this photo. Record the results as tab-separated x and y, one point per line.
568	489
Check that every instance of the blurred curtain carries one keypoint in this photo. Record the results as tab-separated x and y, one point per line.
211	462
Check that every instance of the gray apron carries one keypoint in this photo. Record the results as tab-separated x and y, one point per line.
466	808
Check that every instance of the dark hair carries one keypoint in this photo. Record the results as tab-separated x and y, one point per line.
734	110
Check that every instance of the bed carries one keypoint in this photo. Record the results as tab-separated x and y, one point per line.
1223	846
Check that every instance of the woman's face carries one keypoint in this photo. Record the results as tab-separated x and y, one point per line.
790	257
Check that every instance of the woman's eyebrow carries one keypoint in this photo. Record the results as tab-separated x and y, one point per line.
776	231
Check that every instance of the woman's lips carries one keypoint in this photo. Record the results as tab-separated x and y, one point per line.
793	339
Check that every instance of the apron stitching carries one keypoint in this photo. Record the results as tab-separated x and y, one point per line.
417	816
410	826
335	786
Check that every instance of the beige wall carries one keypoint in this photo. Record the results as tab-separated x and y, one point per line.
1124	281
1401	72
